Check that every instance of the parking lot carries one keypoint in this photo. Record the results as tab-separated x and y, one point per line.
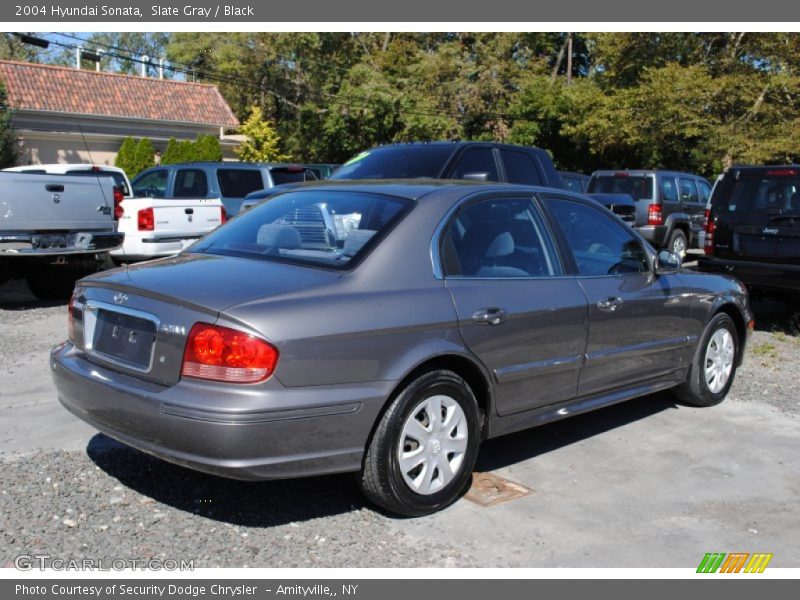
649	483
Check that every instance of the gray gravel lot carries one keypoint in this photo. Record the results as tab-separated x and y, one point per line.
647	483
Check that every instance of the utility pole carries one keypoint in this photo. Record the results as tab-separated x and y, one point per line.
569	58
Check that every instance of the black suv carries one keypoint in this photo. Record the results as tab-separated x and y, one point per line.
670	205
753	228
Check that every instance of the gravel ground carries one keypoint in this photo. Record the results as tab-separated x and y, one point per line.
61	497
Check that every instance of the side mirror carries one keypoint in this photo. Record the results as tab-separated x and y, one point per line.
476	176
667	263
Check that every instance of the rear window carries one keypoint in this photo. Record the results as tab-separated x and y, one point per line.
281	175
397	162
237	183
119	179
765	193
317	228
636	187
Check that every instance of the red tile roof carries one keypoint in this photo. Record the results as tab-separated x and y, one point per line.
61	89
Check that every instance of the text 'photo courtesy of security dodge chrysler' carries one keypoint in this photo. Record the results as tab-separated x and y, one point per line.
387	328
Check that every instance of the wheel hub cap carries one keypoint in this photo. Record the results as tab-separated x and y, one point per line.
432	444
719	358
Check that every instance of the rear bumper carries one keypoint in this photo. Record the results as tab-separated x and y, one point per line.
754	274
255	437
655	234
142	248
43	244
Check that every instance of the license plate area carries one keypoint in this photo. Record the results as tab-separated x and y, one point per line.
123	336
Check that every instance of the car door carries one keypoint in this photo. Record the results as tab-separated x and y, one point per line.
670	195
639	322
517	311
690	197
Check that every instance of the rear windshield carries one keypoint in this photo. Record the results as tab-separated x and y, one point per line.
119	178
765	194
237	183
636	187
281	175
318	228
397	162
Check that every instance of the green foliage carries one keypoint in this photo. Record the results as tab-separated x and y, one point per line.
9	150
207	147
143	158
262	140
204	148
126	156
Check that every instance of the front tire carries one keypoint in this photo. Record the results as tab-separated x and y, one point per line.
421	456
677	243
714	367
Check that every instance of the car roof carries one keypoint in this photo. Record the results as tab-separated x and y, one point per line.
642	172
65	167
760	168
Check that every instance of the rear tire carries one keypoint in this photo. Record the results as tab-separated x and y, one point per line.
714	366
421	456
678	243
50	282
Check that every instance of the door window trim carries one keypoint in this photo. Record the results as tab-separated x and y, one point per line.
438	237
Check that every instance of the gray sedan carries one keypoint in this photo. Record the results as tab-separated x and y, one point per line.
388	328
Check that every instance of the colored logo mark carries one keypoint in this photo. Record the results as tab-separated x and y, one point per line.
735	562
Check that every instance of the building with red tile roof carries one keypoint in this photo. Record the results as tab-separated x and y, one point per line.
68	115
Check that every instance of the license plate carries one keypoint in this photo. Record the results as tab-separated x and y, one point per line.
125	338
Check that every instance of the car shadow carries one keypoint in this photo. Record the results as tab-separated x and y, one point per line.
776	316
245	503
15	295
274	503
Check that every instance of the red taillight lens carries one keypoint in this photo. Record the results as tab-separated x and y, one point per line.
782	172
71	318
654	215
146	220
118	198
223	215
224	354
711	226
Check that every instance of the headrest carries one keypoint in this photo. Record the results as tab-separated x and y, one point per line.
502	245
277	235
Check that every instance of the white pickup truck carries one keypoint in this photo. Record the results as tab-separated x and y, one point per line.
55	229
153	225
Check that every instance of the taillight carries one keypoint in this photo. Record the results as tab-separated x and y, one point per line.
118	198
71	318
146	219
711	226
782	172
654	215
223	215
223	354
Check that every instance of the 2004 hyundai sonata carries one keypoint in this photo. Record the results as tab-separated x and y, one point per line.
387	328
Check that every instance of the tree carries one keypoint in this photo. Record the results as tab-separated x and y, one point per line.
126	156
144	157
170	156
9	150
207	147
262	140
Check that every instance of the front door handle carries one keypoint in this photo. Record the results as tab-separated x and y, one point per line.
490	316
609	304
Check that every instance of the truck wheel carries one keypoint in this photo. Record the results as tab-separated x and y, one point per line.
677	243
421	456
50	282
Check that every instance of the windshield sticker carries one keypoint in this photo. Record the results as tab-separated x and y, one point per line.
357	158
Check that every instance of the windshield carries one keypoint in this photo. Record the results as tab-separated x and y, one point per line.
325	228
397	162
636	187
764	193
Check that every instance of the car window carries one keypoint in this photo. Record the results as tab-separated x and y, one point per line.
237	183
498	238
520	168
476	160
190	183
705	191
600	245
573	184
412	161
765	193
669	193
119	178
281	175
688	190
637	187
317	228
150	185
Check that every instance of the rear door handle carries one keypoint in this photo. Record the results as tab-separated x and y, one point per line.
54	187
609	304
490	316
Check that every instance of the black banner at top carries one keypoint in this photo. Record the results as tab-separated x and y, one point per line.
440	11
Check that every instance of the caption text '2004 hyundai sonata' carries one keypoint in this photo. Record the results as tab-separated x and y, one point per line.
387	329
